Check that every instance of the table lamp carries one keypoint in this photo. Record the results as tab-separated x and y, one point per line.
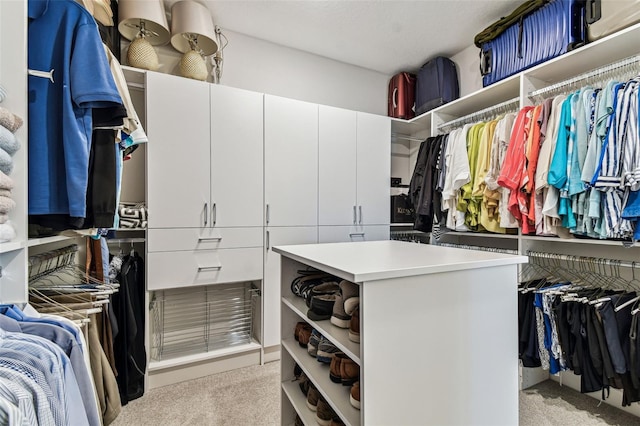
193	33
144	23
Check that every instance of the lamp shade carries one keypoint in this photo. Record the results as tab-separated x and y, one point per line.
192	18
131	12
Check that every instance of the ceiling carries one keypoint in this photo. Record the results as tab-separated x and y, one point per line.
382	35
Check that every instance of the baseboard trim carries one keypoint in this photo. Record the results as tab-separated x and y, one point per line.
272	353
169	376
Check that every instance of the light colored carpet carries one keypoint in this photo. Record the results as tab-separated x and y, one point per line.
247	396
251	396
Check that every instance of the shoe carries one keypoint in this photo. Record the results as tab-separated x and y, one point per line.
312	398
354	395
354	326
330	287
299	326
334	368
349	370
321	307
326	351
339	317
304	336
324	413
336	421
314	340
350	295
303	383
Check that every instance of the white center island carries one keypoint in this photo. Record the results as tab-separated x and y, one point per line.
438	334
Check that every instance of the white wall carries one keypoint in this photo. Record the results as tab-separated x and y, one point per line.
468	63
261	66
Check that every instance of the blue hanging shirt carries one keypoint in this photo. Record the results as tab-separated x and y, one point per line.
63	37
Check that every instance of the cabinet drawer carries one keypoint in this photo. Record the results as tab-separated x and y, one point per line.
174	269
203	239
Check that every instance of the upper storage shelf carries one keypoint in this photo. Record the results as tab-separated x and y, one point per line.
605	51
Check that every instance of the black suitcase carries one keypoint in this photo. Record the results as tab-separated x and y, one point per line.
436	84
550	31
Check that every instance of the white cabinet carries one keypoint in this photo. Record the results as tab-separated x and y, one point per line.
352	233
353	174
461	324
291	162
374	159
337	170
271	286
178	152
236	157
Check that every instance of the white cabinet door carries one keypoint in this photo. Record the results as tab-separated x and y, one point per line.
341	234
178	177
291	162
236	157
374	174
271	284
336	166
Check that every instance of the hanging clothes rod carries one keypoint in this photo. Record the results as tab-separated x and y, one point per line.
584	259
125	240
479	248
599	73
501	108
406	137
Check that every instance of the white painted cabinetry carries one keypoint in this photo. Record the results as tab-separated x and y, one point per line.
178	153
353	187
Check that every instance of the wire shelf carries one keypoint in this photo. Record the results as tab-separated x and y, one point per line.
201	319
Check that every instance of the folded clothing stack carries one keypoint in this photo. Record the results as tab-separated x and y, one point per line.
7	232
9	144
133	215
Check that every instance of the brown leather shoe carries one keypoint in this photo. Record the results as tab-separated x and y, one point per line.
349	371
304	335
299	326
354	396
354	326
334	368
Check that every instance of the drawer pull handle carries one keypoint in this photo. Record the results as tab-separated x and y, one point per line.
210	239
209	268
356	234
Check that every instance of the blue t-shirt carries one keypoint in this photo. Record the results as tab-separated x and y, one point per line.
64	37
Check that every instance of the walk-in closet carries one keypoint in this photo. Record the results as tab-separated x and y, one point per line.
239	213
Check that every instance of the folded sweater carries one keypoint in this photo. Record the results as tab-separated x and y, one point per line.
6	162
8	141
9	120
5	181
6	204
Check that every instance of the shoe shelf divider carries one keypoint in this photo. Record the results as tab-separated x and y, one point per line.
434	322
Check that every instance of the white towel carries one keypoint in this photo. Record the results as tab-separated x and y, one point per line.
3	218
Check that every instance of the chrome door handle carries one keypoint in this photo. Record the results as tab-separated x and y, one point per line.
356	234
206	214
360	208
210	239
209	268
267	240
355	218
214	214
267	214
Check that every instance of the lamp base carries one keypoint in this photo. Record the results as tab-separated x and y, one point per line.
192	65
142	55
